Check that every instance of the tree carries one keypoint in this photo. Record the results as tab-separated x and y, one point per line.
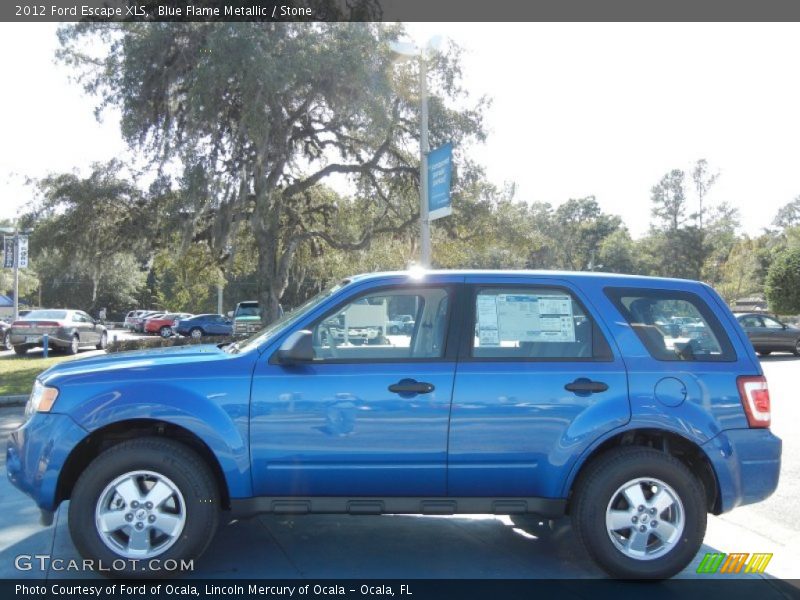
788	215
783	282
87	221
578	229
261	114
703	180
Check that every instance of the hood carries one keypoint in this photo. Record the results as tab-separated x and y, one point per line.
136	359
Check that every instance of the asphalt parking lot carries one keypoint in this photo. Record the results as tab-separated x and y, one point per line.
477	546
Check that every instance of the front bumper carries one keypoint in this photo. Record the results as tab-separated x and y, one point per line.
36	453
747	463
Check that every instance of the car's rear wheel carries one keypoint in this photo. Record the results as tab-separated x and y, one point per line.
144	499
796	350
196	333
639	513
20	350
764	352
7	341
74	345
103	343
165	331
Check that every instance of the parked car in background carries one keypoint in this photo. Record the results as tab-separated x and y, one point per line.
163	325
768	334
247	318
400	324
67	330
568	401
202	325
138	322
5	336
130	318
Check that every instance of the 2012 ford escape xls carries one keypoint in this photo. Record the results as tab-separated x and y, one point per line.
514	392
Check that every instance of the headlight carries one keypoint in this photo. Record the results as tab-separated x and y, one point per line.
41	400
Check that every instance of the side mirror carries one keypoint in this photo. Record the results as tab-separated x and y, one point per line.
230	314
297	348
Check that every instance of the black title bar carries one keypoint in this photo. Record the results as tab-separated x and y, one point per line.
399	10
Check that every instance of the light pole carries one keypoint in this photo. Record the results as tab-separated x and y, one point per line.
405	51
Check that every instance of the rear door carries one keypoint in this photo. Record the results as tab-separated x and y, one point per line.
537	381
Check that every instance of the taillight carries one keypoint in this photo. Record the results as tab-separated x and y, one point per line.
754	394
19	324
48	324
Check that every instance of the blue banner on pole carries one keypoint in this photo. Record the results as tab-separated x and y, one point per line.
440	168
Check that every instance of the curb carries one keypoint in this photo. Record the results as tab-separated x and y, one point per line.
13	400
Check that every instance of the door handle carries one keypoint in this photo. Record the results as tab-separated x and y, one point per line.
582	385
411	386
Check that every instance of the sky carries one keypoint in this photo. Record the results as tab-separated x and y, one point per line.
577	110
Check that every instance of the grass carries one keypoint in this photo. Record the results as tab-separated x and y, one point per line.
17	374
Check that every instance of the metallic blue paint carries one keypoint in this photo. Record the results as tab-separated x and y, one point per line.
499	429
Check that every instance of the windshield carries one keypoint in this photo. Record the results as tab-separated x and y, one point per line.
250	310
286	320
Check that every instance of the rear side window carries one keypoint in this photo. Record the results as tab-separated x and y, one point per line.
534	323
673	325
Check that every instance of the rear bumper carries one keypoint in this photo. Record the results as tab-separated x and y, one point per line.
747	463
35	339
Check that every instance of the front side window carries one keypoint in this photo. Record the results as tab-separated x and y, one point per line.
770	323
530	323
673	325
751	321
366	329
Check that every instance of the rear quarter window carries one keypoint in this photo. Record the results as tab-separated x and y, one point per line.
673	325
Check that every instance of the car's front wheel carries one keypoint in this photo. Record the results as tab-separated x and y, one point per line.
196	333
7	341
796	350
165	332
639	513
142	500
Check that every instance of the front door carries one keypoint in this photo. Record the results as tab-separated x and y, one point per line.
536	382
369	416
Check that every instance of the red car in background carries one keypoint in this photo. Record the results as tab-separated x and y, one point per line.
162	324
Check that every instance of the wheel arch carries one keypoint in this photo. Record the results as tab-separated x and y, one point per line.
112	434
669	442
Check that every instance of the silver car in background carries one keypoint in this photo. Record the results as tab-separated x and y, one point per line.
67	330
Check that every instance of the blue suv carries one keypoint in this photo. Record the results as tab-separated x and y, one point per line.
517	393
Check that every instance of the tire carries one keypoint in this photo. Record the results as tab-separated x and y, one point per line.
796	350
20	350
764	352
165	332
74	346
103	343
196	333
394	330
7	341
191	510
599	503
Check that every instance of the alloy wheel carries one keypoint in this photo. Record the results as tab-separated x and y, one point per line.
645	518
140	514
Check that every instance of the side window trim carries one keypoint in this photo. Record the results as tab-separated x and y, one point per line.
728	351
468	321
449	351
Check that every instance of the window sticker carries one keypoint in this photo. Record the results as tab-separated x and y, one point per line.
525	318
488	332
